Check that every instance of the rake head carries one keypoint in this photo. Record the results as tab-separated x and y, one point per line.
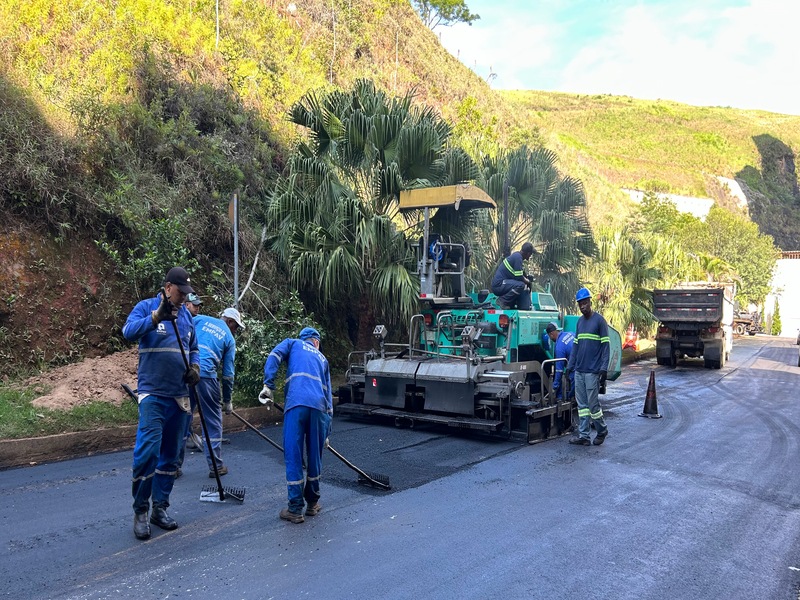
212	493
375	480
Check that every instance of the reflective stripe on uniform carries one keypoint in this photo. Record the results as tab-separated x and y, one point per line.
314	478
310	376
146	350
583	412
301	482
510	270
160	472
596	416
142	478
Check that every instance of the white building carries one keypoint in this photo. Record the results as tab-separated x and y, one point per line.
786	288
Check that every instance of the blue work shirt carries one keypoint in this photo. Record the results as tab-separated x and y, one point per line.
509	269
161	365
308	377
563	349
217	347
591	347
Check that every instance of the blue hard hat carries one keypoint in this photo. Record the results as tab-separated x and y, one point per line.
582	294
308	333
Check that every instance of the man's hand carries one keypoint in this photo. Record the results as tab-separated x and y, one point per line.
165	311
603	376
227	407
192	375
265	397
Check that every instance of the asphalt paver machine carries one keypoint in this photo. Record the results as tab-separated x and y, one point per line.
468	364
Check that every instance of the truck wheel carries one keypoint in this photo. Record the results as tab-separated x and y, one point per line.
664	362
710	364
751	332
740	329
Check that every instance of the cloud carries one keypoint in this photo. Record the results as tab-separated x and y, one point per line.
738	57
707	53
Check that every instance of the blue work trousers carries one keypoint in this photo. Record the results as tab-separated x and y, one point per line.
162	424
513	293
586	395
207	393
304	427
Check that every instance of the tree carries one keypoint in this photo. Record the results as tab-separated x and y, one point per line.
546	209
444	12
737	241
334	215
776	319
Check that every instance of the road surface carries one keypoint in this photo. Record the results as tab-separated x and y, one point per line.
703	503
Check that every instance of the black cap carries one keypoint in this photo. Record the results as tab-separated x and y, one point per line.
178	276
551	327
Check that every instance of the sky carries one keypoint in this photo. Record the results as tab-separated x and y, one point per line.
740	54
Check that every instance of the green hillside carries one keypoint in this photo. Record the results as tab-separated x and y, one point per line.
127	125
674	148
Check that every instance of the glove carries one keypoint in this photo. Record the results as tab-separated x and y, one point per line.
265	397
192	375
227	407
164	312
603	376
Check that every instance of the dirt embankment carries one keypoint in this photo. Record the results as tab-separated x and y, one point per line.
94	379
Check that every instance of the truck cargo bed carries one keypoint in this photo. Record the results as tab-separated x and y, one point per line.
688	305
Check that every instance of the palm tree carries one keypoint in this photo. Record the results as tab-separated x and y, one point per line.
334	215
544	208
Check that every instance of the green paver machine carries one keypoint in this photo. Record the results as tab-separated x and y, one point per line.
468	364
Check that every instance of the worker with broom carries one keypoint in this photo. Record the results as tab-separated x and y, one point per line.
217	347
163	396
307	416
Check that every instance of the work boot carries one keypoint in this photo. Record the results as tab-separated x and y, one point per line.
580	441
141	528
222	470
288	515
599	439
162	519
313	509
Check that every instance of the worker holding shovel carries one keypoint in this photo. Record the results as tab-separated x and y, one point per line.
163	396
307	417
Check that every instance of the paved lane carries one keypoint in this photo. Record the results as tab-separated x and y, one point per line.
703	503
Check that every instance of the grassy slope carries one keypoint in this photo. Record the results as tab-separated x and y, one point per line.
664	145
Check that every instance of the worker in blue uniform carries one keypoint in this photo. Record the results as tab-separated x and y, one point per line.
217	345
589	361
564	342
163	395
510	284
308	410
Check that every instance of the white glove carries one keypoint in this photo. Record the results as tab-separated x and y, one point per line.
227	407
265	397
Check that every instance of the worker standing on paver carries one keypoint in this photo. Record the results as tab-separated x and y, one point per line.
589	361
215	340
163	396
307	417
564	342
510	284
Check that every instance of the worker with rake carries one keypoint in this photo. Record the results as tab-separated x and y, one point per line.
163	396
308	410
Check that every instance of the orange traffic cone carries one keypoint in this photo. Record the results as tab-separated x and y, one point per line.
650	402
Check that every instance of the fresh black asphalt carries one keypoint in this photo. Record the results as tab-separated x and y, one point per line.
703	503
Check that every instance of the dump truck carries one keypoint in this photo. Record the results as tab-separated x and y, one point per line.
747	323
695	320
467	364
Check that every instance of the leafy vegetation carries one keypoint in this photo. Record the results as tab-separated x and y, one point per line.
19	418
444	12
